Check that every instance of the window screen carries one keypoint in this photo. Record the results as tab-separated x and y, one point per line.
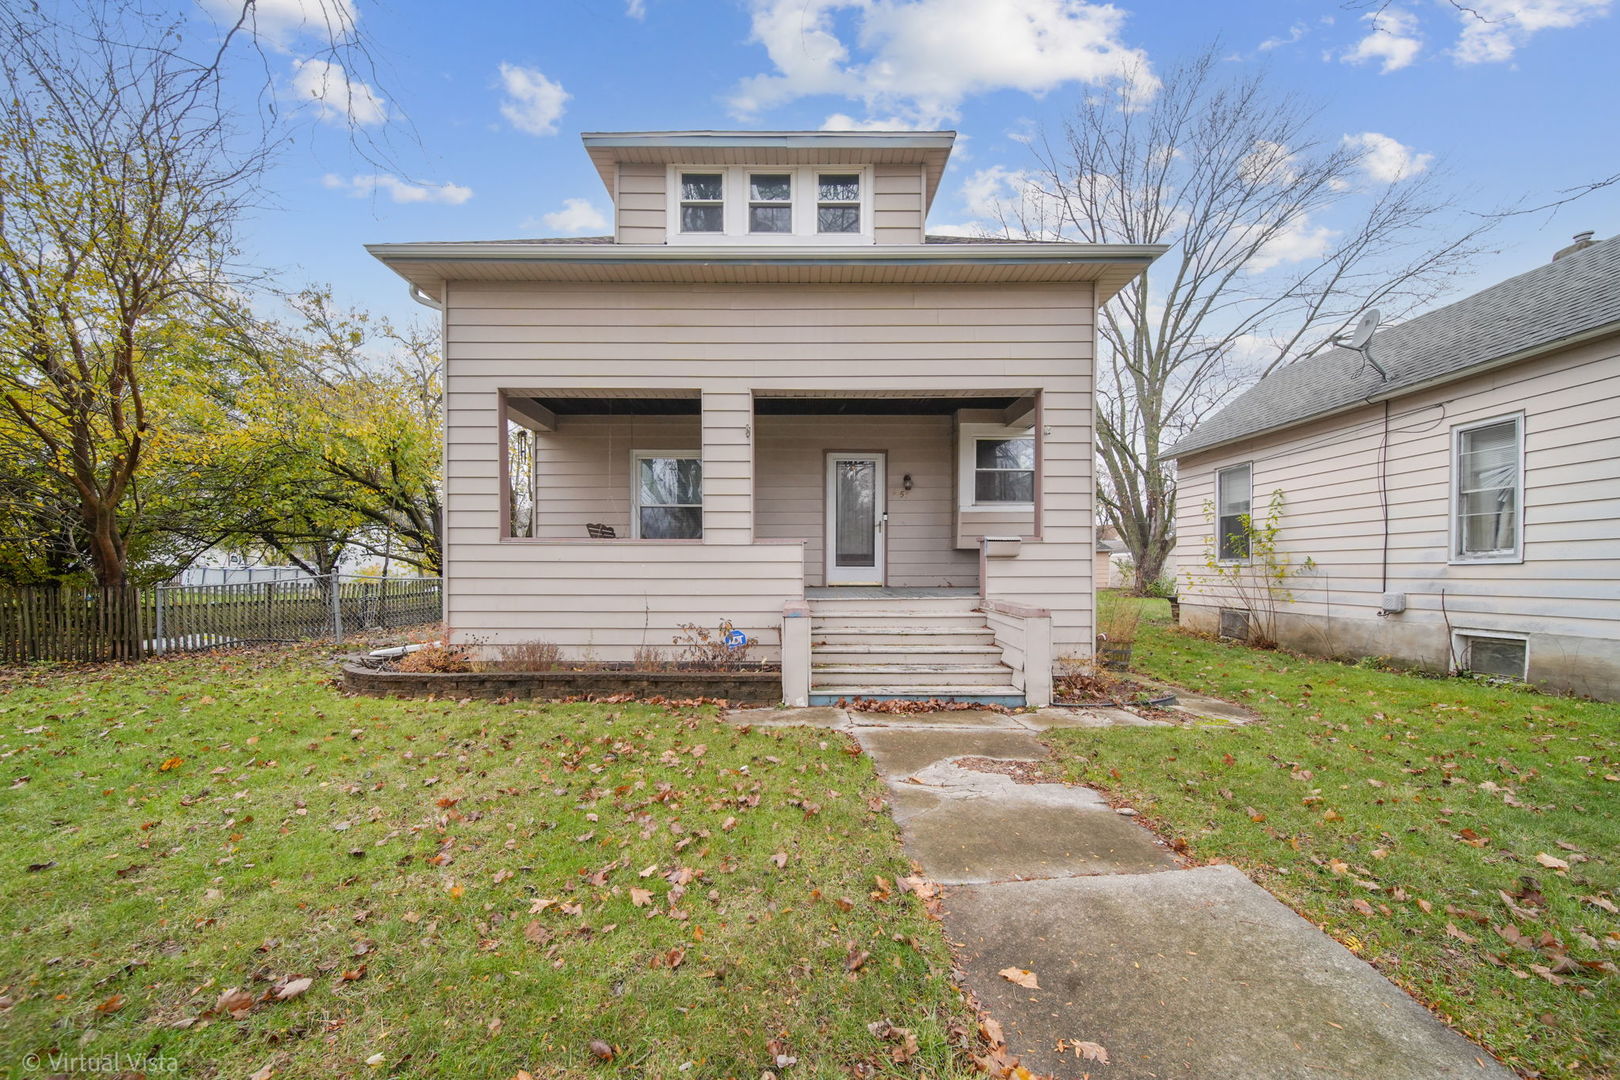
1488	493
703	208
1004	470
1232	499
669	498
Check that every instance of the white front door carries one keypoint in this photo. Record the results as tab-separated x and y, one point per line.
857	514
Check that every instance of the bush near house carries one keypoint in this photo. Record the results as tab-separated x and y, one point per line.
219	866
1461	836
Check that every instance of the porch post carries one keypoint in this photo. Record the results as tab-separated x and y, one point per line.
796	653
728	467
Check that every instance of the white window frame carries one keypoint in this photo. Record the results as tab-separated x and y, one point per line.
1456	556
636	458
806	189
1459	648
749	201
1219	558
967	446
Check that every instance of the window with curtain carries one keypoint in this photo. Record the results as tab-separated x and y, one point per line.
1488	480
1004	470
1234	493
669	496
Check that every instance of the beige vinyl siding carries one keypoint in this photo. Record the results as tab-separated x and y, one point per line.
897	204
640	205
790	486
583	474
727	341
1567	589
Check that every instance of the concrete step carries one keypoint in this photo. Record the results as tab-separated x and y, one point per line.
930	675
895	605
907	652
995	694
903	635
920	620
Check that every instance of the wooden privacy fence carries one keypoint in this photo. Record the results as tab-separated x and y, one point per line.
76	624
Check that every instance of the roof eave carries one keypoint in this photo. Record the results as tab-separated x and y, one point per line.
1176	452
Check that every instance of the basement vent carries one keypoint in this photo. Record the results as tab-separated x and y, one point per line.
1235	624
1489	654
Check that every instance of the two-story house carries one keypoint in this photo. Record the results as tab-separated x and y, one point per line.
770	399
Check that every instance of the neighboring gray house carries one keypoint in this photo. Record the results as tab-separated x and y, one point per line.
1463	513
770	398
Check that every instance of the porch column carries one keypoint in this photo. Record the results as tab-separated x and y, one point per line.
728	467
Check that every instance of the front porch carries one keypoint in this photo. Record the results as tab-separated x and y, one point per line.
844	535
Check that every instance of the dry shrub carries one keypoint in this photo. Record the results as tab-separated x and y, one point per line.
528	656
436	659
1118	618
702	649
650	658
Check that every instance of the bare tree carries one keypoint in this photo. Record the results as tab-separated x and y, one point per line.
1278	235
122	178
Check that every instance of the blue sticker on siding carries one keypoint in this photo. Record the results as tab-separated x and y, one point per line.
736	639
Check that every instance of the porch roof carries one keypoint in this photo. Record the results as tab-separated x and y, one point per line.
428	265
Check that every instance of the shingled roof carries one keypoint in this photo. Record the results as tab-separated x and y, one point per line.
1572	296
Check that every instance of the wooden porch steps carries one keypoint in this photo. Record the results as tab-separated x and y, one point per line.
906	647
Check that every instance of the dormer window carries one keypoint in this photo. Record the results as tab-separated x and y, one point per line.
703	204
838	203
770	202
744	204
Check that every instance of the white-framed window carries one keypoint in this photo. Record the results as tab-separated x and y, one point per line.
996	468
1234	503
1492	652
838	202
1487	490
702	201
666	495
770	204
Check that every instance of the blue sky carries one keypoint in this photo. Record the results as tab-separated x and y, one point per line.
481	105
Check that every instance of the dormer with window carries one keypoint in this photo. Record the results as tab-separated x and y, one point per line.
770	188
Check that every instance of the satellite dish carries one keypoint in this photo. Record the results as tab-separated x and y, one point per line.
1364	330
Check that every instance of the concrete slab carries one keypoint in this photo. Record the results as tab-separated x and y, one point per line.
818	716
898	753
1191	973
1205	707
955	718
962	841
1091	716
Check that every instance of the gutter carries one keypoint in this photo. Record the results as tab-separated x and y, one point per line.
795	255
1578	338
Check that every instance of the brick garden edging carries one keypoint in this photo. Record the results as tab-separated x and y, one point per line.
759	687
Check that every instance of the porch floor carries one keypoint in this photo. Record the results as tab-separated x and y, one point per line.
881	592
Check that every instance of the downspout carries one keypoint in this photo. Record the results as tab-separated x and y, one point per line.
423	298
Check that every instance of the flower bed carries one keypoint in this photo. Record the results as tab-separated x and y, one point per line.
758	684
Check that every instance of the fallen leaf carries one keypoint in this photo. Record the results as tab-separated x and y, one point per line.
601	1051
236	1002
112	1004
1020	976
293	989
641	897
1453	932
1090	1051
1551	862
265	1073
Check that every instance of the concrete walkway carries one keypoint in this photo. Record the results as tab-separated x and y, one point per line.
1176	972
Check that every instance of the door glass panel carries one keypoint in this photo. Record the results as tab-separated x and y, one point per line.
855	488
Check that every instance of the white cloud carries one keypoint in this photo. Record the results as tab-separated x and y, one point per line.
576	217
1385	159
918	59
336	97
1492	30
970	228
400	191
1295	32
636	9
1393	40
846	122
282	22
1295	242
533	102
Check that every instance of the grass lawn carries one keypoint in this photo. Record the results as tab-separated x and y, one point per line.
473	889
1464	838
